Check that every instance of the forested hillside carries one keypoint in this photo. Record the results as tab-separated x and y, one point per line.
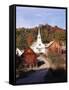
26	36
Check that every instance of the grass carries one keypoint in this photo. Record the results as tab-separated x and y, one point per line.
57	60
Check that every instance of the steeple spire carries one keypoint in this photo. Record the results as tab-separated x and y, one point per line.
39	36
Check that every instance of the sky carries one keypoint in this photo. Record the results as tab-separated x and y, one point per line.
29	17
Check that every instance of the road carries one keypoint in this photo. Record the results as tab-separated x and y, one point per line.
42	74
34	77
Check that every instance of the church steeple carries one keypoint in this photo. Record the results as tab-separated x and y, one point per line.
39	36
38	46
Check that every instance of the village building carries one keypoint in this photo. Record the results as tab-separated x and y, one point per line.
56	47
29	58
38	46
19	52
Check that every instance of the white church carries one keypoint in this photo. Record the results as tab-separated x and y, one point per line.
38	46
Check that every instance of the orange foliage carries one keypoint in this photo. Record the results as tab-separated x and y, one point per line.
29	39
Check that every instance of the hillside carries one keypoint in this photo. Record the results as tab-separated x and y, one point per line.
26	36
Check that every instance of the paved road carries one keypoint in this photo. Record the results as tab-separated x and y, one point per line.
34	77
42	74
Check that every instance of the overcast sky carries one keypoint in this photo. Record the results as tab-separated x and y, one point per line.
30	17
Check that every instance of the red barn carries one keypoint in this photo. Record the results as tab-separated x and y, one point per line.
29	58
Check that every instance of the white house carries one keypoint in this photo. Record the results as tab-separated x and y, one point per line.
19	52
